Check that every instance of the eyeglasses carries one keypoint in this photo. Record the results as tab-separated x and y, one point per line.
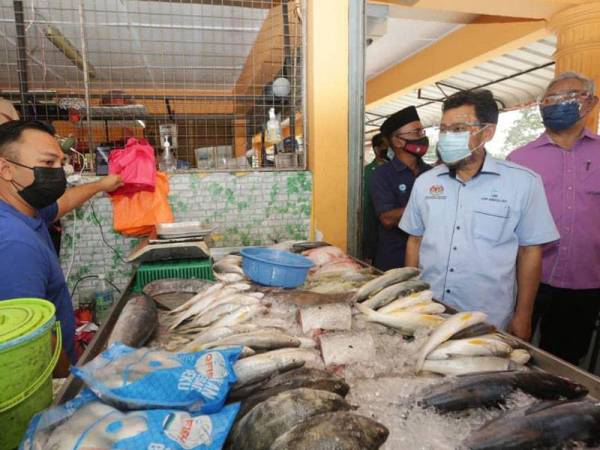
460	127
562	97
416	132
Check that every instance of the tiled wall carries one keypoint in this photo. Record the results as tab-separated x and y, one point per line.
250	208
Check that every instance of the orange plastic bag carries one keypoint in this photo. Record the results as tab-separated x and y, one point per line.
137	214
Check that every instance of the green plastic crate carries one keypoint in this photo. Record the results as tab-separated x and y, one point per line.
193	268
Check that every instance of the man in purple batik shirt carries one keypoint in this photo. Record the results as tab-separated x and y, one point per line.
567	156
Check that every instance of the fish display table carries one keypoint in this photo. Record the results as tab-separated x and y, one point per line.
378	384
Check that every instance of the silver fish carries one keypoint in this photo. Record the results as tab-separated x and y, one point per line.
172	285
268	420
207	301
228	266
240	315
231	259
451	326
242	299
480	346
477	330
405	322
136	323
229	277
199	296
418	298
262	366
338	430
216	333
464	365
220	310
424	308
390	277
258	340
390	293
246	351
236	317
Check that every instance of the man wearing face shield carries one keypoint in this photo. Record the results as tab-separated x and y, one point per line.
477	224
391	183
567	156
33	193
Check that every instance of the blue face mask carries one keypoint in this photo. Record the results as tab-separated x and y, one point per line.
390	154
453	147
561	116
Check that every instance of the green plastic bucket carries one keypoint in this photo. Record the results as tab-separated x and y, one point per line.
26	364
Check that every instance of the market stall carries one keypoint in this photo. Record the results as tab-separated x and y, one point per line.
372	352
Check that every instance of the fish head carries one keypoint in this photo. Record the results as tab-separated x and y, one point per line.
549	387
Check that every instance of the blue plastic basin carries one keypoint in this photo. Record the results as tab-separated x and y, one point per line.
272	267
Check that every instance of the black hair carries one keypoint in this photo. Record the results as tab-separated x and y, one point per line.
377	140
10	132
486	108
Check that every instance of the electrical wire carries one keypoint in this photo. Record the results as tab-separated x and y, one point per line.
86	277
116	252
74	235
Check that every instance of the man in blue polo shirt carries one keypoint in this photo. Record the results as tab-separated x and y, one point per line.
390	184
33	194
477	224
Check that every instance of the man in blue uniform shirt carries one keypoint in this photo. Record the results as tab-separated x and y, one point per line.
390	184
33	194
477	224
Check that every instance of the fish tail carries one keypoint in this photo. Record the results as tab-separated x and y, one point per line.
364	309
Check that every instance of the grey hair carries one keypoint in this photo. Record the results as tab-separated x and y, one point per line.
588	83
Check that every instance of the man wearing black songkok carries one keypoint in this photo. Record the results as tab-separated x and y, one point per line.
391	184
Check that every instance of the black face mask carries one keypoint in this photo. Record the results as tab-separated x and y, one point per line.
49	184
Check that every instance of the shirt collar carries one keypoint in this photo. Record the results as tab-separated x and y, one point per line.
34	222
545	139
399	166
490	165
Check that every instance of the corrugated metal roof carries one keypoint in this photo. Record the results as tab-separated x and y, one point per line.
135	43
503	75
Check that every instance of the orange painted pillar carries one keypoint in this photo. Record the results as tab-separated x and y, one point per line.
578	44
327	109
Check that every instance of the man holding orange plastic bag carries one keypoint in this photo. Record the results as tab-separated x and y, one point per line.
33	193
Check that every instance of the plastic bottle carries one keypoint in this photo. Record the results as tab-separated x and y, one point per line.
103	297
273	128
167	162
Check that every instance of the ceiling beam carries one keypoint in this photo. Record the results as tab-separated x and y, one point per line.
533	9
475	43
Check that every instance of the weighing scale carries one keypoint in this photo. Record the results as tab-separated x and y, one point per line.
174	241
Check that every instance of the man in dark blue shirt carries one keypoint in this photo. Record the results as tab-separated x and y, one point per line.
33	194
391	184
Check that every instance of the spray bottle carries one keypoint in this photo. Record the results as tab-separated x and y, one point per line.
273	128
167	162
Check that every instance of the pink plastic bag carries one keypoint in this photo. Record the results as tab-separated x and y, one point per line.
136	165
